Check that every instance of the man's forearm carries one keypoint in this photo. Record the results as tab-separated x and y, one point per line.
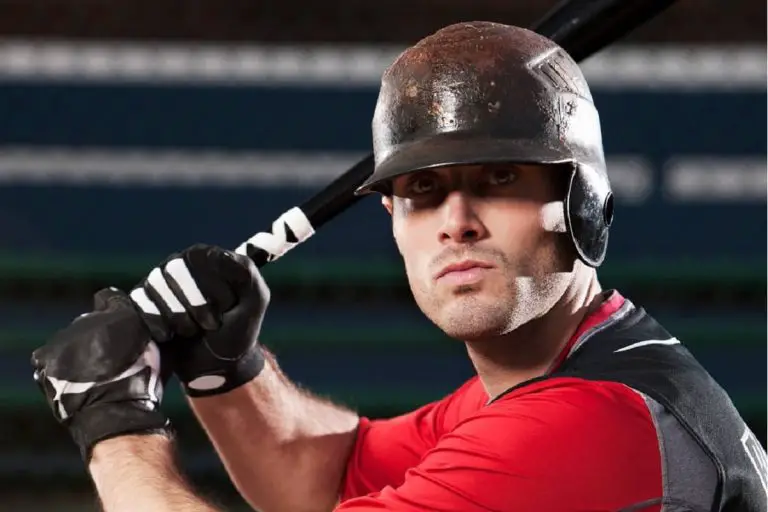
139	473
283	448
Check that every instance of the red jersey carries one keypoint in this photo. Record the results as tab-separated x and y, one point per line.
561	444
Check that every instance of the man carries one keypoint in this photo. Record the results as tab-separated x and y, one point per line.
489	159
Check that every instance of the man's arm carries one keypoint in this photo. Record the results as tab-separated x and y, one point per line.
283	448
138	472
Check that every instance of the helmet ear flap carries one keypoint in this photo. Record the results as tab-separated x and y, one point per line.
589	213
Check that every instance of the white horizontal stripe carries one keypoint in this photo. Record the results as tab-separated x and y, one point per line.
687	67
707	178
695	177
671	341
177	167
632	177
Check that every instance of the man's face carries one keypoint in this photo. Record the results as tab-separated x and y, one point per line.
483	246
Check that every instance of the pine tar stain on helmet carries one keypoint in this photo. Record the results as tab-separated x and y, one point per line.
481	92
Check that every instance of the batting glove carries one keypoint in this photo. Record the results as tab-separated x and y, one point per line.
205	306
101	374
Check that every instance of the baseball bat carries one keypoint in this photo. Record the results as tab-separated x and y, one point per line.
581	27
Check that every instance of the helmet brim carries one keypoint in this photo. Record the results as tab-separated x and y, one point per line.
444	151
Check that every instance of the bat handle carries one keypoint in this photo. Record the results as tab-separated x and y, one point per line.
299	223
288	230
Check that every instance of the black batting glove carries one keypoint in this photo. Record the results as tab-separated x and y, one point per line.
101	375
205	306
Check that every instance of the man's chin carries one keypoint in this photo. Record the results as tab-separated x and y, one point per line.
471	333
470	318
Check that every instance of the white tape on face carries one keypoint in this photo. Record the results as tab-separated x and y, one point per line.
553	217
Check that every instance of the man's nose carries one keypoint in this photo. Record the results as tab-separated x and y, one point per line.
461	222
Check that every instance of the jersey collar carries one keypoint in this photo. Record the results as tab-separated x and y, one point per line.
608	311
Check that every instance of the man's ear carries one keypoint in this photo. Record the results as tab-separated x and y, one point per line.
387	202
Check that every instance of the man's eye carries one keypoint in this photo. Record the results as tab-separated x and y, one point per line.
422	185
501	176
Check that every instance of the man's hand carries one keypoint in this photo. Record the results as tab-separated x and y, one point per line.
101	374
205	307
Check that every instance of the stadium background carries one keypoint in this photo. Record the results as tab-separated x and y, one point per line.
131	130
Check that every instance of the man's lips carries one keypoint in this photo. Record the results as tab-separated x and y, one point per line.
463	266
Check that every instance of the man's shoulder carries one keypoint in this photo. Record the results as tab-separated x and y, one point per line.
555	389
602	431
574	402
563	399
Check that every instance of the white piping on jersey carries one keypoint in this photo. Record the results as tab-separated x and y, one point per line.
670	341
618	315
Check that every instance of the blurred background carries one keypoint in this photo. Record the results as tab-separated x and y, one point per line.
129	130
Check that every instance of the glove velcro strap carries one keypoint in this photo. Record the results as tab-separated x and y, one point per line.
101	422
225	379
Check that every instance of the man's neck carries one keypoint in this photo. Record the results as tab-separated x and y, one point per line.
531	350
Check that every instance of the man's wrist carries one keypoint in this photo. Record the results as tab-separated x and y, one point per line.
228	378
113	449
99	423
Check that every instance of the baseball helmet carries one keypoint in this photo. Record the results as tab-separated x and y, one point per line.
481	92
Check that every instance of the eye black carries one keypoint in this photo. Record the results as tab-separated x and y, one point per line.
501	176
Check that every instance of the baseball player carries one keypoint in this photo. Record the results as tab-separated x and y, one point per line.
489	159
